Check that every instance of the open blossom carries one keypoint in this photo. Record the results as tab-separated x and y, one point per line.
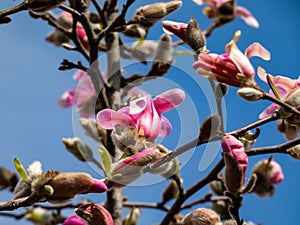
232	67
145	114
81	95
213	11
285	86
289	91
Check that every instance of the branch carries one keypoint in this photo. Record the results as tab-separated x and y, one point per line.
274	149
212	175
150	205
253	125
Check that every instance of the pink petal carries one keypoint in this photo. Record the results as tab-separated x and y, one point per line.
176	28
67	99
79	74
98	186
109	118
138	105
74	220
239	59
168	100
262	74
270	110
258	50
276	173
246	15
149	123
166	126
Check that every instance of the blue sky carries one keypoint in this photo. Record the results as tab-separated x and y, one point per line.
33	124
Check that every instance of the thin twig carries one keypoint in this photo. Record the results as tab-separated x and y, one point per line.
253	125
146	205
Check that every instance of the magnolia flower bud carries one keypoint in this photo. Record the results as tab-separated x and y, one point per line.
133	217
135	31
148	15
95	214
40	216
195	38
67	184
293	100
268	174
8	179
236	162
290	131
176	28
170	192
74	220
40	6
79	149
164	50
294	152
129	169
250	94
201	216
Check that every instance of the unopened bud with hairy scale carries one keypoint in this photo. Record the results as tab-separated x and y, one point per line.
269	173
201	216
35	6
78	148
294	152
148	15
250	94
195	38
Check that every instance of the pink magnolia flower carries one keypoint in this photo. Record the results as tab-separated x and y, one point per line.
81	95
235	148
145	114
285	86
212	11
232	67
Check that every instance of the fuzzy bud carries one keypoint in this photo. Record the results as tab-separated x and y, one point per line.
195	38
66	185
133	217
294	152
8	179
135	31
40	6
268	174
40	216
79	149
129	169
293	100
290	131
236	162
250	94
201	216
148	15
170	192
164	50
95	214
